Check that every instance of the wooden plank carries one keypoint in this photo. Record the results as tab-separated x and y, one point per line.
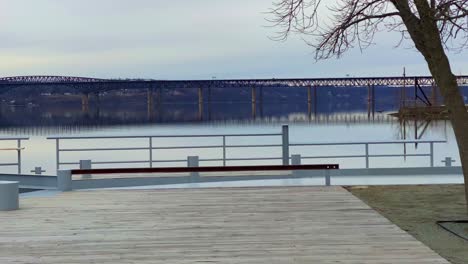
221	225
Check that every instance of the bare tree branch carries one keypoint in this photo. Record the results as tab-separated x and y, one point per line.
355	22
432	25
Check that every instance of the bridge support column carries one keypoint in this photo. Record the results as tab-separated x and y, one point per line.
85	102
149	102
309	102
97	103
312	101
261	101
200	103
370	100
254	102
159	102
373	101
315	101
209	103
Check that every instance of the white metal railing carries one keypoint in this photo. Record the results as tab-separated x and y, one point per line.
282	143
367	155
18	150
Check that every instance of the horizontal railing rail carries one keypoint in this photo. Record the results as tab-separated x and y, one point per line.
169	136
367	155
379	142
281	145
151	147
18	149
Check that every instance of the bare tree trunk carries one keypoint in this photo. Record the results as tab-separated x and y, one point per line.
453	99
426	37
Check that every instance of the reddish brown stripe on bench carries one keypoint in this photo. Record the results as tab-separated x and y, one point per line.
208	169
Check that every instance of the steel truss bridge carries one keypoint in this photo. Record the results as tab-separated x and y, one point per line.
110	84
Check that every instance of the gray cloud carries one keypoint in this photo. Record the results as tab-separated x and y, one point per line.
174	39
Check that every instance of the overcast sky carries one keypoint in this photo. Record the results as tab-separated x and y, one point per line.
176	39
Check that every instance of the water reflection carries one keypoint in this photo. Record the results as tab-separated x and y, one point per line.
72	116
339	118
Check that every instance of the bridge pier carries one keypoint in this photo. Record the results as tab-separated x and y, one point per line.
85	102
261	102
149	103
254	102
159	102
311	101
373	101
97	103
200	103
370	100
209	103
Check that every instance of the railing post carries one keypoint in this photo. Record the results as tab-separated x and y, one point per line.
193	161
448	161
432	154
296	159
86	165
151	152
367	155
327	178
18	146
285	144
38	170
224	151
57	155
64	180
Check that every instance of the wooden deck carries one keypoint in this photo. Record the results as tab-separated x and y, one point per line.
238	225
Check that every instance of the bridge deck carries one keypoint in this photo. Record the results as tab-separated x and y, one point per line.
243	225
299	82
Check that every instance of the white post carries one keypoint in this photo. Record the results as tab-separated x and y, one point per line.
193	161
367	155
57	154
296	159
327	178
18	146
224	151
285	144
38	170
64	180
151	152
432	154
9	195
86	165
448	161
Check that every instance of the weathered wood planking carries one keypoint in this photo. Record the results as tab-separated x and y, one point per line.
235	225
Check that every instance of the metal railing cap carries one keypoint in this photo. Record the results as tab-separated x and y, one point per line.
166	136
14	138
368	142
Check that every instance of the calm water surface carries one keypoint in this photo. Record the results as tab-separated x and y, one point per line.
330	124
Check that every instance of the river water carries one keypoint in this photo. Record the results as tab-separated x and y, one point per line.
341	115
332	123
